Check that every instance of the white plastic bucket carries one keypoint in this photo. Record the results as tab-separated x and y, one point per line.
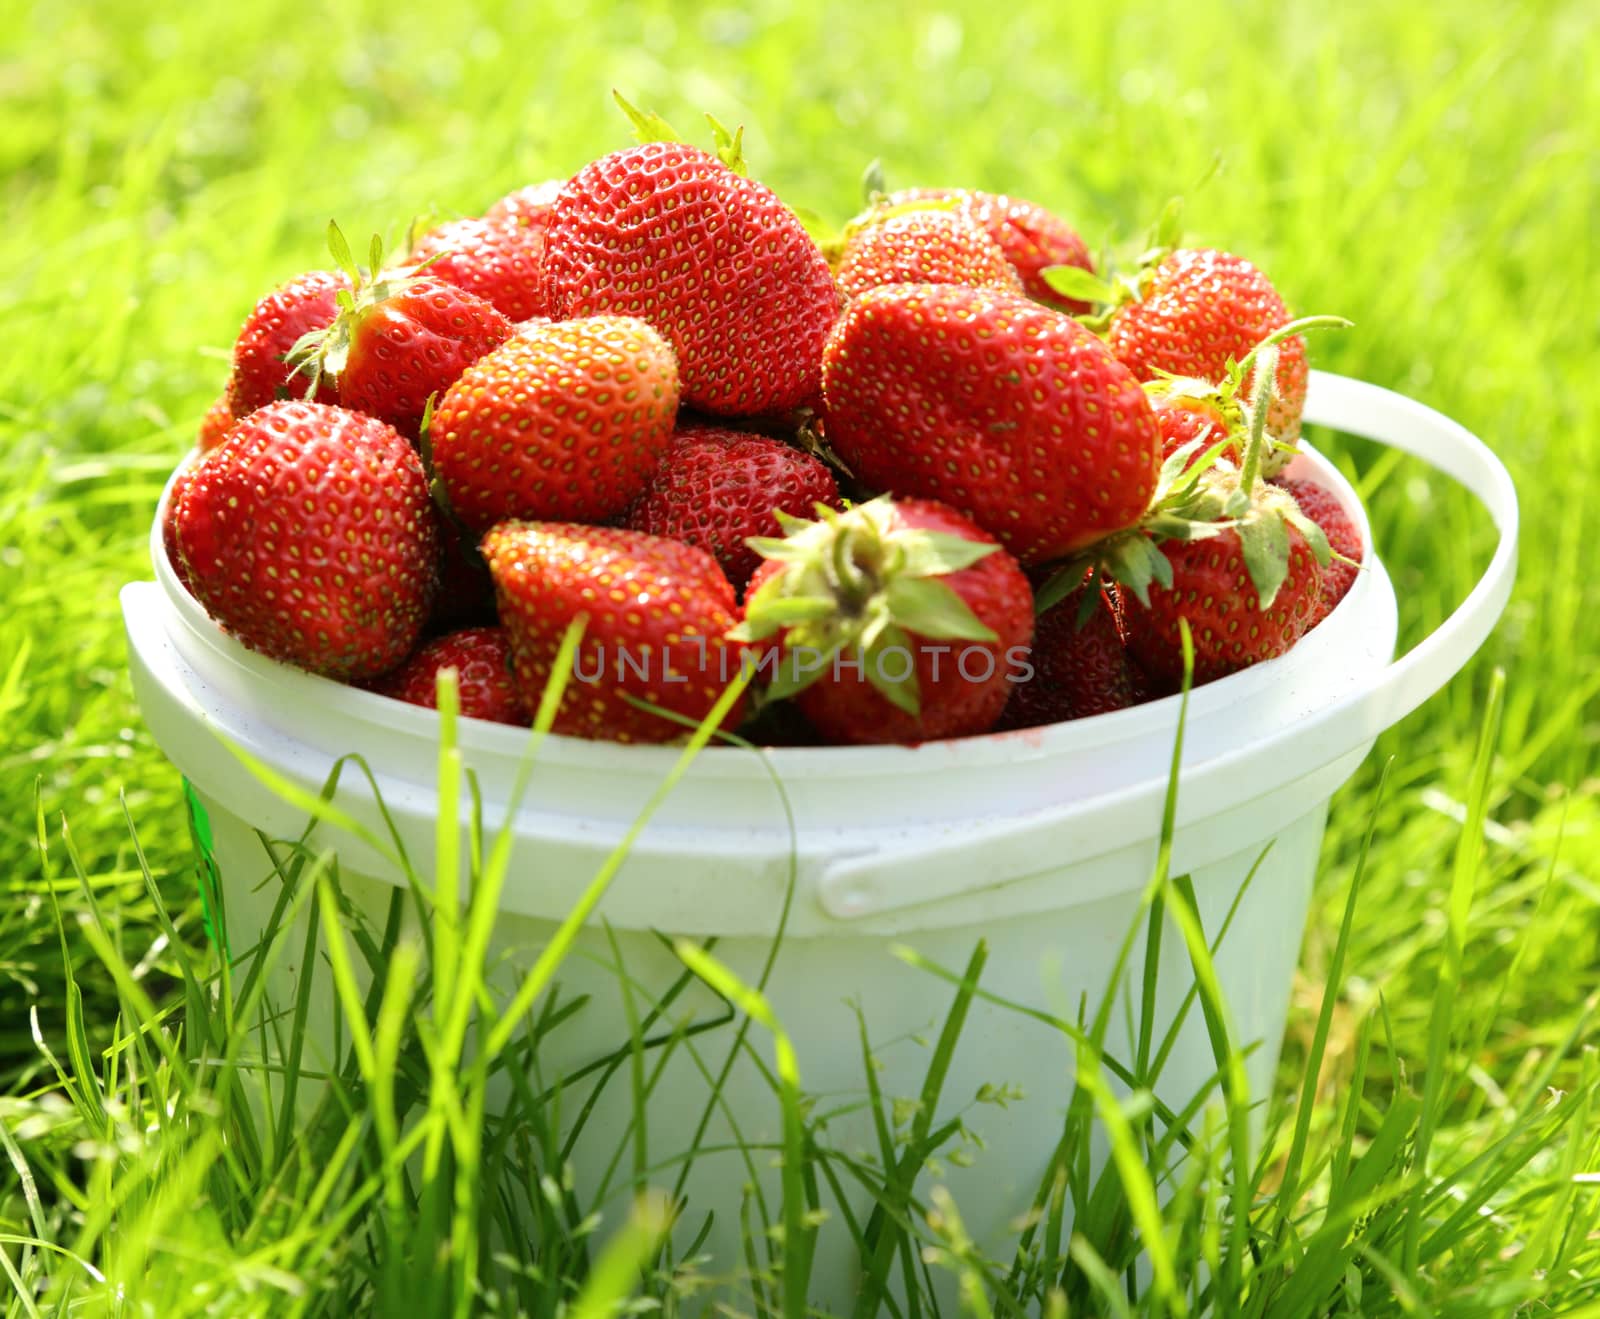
1038	841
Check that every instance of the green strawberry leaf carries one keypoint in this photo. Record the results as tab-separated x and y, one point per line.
891	665
1168	231
873	184
1264	542
1088	601
1080	285
786	611
932	608
798	667
730	146
648	126
778	547
1314	535
939	553
1059	585
342	255
1135	562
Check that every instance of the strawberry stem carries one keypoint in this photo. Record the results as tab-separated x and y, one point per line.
1260	403
1288	332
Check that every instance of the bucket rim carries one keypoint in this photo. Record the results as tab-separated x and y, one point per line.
356	707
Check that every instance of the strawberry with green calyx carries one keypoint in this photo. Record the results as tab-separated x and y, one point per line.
657	617
1188	408
1187	312
897	621
263	371
563	422
1008	411
1197	309
919	245
400	336
1244	574
712	259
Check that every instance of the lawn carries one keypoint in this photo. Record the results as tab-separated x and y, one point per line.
1431	173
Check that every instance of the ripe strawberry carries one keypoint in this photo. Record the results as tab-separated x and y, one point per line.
169	521
402	338
1245	574
1198	308
481	657
215	425
528	206
922	247
1012	413
893	622
499	260
713	260
1189	409
1079	661
1031	237
658	613
1184	418
261	369
564	422
716	488
310	536
1212	588
1322	507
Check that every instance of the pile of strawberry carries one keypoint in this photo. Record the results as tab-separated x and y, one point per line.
938	479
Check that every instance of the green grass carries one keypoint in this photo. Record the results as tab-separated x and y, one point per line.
1431	176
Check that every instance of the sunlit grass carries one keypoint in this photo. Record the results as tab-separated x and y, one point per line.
1432	178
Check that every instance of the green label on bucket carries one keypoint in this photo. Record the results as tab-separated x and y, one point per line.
206	869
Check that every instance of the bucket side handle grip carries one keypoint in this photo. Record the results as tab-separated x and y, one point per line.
943	866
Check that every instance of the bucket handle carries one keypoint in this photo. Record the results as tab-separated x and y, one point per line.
865	884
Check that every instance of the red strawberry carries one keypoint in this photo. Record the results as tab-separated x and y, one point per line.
922	247
1322	507
169	521
1184	418
1031	237
716	488
481	657
894	622
658	613
403	338
499	260
215	425
1080	665
1245	575
712	259
1010	412
261	369
528	206
1212	588
310	536
1198	308
563	422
